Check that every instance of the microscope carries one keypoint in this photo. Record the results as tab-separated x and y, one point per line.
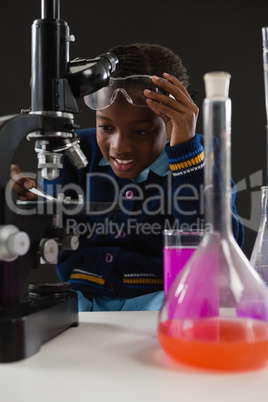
28	237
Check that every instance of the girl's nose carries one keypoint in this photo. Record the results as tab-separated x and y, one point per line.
120	143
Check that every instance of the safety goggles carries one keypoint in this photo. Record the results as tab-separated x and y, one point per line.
131	87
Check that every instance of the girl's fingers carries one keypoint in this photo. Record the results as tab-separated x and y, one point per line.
21	183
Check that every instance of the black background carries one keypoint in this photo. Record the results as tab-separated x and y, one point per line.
208	35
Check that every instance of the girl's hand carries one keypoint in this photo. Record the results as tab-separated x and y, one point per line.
177	109
21	183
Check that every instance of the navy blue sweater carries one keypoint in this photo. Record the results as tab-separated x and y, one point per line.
120	252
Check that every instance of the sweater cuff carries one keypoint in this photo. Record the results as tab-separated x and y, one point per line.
186	158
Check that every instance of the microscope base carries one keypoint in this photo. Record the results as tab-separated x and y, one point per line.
25	327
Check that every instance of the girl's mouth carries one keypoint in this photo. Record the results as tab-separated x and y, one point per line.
123	164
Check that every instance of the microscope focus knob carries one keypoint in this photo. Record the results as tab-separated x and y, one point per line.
13	243
49	251
70	243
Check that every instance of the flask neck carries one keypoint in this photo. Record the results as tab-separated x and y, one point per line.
264	200
217	129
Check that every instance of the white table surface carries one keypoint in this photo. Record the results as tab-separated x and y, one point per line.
115	356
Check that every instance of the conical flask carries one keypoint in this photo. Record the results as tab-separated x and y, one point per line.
215	313
259	256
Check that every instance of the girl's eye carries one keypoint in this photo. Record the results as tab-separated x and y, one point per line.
105	127
142	132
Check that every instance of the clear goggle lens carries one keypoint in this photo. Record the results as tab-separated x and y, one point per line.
131	87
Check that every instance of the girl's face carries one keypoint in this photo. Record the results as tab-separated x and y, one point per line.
130	138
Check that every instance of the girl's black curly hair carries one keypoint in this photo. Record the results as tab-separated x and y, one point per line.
150	59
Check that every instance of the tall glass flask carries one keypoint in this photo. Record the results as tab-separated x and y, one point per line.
265	66
215	313
259	256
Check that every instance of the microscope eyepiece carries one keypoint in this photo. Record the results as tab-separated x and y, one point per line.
112	59
88	75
